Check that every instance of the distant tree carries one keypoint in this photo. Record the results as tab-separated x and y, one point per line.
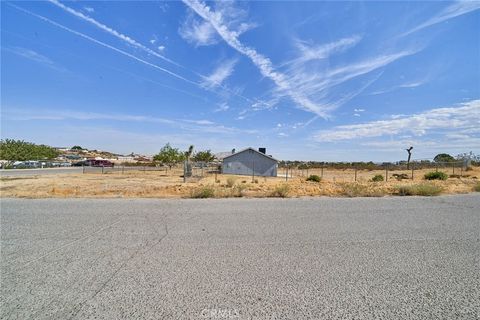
19	150
204	156
76	148
169	156
443	157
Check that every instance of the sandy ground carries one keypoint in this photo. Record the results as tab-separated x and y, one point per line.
161	184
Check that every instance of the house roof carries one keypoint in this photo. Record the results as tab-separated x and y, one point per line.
250	148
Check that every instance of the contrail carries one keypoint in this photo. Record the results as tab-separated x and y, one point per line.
104	45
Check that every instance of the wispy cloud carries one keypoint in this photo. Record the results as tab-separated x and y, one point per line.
217	20
89	9
112	31
222	107
308	87
455	9
220	74
197	125
406	85
465	116
310	52
103	44
203	33
199	33
34	56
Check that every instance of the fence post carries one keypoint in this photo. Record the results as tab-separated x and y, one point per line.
185	171
286	173
307	172
386	173
216	176
83	168
355	174
102	168
321	175
413	166
453	167
461	171
253	171
123	169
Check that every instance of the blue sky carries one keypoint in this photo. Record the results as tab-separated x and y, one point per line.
326	81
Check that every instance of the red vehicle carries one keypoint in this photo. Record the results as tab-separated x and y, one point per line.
99	163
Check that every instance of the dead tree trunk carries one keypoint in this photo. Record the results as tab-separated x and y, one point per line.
409	150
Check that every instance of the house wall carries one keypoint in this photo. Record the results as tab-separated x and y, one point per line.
244	163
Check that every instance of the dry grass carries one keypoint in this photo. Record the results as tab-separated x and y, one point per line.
136	184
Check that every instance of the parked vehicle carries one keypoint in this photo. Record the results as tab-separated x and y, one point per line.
94	163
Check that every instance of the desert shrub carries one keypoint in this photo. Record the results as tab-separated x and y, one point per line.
314	178
401	176
377	178
359	190
230	181
423	189
477	187
281	191
238	191
436	175
203	192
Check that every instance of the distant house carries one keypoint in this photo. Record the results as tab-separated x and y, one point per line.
250	161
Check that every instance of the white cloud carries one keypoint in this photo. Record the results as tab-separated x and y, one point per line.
111	31
407	85
161	48
359	110
466	116
199	33
222	107
152	41
455	9
308	87
89	9
197	125
34	56
103	44
220	74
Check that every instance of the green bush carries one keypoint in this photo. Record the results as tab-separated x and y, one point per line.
377	178
419	190
203	192
314	178
281	191
436	175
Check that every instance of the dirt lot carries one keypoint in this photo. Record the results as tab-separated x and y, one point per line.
161	184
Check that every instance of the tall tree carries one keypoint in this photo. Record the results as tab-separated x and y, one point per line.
443	157
189	152
19	150
204	156
169	156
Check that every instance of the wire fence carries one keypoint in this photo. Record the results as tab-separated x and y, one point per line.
195	171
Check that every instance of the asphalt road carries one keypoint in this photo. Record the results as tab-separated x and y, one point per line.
323	258
34	172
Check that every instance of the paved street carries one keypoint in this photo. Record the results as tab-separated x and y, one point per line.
321	258
34	172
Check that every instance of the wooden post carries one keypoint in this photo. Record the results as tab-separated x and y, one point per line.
286	173
355	174
413	166
453	167
321	175
83	166
461	171
386	173
102	168
123	169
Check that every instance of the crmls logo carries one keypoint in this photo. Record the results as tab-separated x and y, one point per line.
220	313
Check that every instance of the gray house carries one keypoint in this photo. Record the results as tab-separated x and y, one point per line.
250	161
